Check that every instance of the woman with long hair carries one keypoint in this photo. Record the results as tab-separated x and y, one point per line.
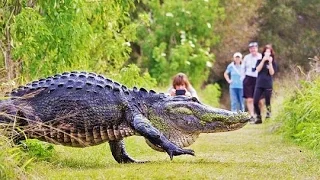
266	68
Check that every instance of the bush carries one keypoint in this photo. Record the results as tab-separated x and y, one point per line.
130	77
210	95
39	150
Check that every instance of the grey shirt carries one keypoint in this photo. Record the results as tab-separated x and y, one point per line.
248	65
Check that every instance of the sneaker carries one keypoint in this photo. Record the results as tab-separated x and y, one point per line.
252	119
258	120
268	115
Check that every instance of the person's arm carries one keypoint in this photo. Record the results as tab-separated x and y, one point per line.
172	91
226	76
193	92
243	69
271	68
260	65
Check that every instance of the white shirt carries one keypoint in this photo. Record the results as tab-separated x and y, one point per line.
249	64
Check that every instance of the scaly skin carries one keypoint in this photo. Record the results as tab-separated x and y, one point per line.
82	109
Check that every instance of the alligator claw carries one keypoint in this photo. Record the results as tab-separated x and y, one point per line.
180	151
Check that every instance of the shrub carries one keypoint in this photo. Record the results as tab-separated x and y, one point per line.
39	150
130	76
210	95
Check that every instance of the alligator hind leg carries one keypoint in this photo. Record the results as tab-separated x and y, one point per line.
119	152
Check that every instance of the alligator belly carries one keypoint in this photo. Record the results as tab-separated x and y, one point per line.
69	136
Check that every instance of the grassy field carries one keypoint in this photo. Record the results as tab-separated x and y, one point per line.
253	152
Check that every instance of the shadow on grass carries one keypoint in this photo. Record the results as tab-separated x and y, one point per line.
111	163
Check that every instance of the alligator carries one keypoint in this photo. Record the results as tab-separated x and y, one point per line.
82	109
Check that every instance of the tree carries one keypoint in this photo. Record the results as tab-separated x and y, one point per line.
239	26
9	9
293	29
175	36
54	36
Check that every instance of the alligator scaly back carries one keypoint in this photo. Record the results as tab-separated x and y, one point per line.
60	122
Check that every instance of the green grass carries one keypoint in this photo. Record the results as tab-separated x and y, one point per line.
13	162
253	152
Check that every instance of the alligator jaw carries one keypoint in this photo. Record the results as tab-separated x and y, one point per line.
220	120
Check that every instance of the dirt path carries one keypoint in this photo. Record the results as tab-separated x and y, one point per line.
257	152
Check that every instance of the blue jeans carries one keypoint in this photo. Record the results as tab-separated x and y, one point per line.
236	98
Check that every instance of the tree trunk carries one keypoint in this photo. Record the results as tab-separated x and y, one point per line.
9	64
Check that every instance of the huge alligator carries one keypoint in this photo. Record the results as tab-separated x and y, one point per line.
83	109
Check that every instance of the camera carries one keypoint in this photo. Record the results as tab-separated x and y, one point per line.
180	92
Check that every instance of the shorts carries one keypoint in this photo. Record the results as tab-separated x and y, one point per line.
249	84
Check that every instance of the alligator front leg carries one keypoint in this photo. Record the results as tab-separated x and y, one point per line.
119	152
143	126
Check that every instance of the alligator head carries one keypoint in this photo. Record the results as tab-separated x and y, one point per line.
182	119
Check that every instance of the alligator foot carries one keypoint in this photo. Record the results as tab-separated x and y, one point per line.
179	151
120	154
174	150
143	126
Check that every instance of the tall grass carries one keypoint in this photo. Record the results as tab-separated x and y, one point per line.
300	114
12	160
16	159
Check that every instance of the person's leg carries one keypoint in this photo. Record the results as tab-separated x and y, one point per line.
250	106
248	90
261	103
233	99
241	100
256	98
238	97
268	93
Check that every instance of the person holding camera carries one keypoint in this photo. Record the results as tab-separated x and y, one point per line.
182	86
249	75
266	69
235	83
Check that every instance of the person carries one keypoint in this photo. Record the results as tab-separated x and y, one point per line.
249	75
235	83
266	69
182	86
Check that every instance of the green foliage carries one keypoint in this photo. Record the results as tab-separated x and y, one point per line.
39	150
301	115
177	37
12	160
57	36
211	95
293	29
130	77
